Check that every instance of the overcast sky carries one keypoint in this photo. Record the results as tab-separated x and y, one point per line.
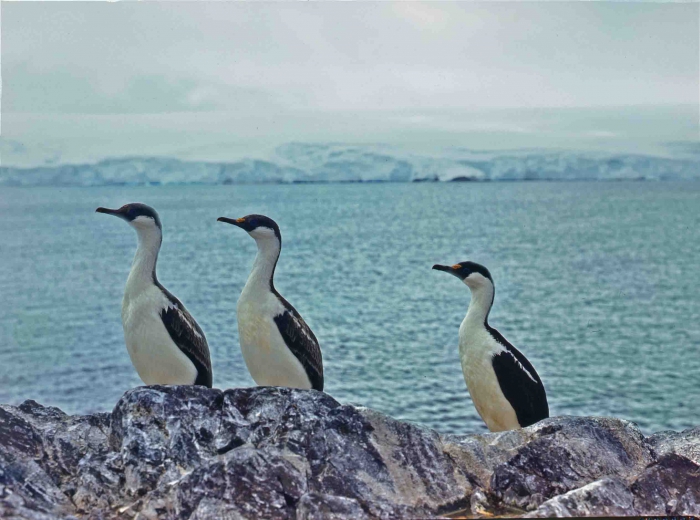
219	80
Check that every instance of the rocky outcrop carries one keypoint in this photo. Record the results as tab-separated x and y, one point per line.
192	452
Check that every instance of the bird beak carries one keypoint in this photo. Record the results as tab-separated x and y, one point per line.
115	212
454	270
235	221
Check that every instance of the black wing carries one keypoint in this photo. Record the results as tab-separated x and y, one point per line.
187	335
519	382
302	342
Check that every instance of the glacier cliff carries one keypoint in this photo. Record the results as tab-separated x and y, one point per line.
300	162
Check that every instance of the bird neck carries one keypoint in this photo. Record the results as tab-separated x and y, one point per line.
263	273
480	304
143	269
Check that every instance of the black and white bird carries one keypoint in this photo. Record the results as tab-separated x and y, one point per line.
504	386
278	346
165	344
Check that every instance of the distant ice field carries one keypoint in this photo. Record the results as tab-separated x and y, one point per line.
329	163
597	283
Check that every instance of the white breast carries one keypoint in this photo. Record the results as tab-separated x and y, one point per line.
157	359
476	350
267	357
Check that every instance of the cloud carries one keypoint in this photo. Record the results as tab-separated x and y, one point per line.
600	133
66	91
106	78
358	55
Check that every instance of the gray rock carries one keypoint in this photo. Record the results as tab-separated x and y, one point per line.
40	450
316	506
670	486
606	497
684	443
191	452
26	491
568	453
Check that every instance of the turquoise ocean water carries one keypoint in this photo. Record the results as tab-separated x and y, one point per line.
597	283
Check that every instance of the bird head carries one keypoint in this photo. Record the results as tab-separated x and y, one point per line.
471	273
139	216
259	227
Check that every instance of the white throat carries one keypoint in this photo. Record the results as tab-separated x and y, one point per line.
481	302
264	266
144	265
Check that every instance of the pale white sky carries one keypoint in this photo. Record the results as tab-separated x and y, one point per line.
219	80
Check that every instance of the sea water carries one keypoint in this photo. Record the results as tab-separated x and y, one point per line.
596	283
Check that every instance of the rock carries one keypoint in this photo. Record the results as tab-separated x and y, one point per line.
569	453
670	486
40	451
606	497
316	506
684	443
192	452
28	492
